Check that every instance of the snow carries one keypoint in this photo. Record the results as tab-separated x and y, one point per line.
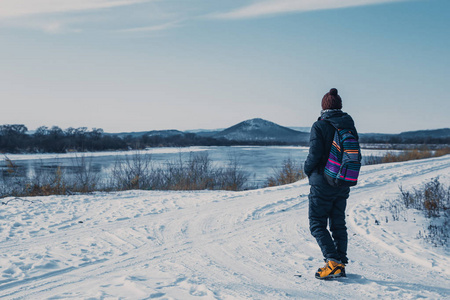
217	244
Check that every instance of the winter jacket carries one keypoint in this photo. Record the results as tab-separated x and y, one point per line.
322	134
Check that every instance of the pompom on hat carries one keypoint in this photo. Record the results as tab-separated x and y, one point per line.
332	100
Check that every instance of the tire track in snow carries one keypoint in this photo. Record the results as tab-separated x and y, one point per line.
167	245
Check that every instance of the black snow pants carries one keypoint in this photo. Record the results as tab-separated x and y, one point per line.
327	205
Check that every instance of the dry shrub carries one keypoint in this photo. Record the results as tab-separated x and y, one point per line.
442	151
45	182
436	198
85	178
40	184
132	172
11	167
12	181
196	173
433	198
232	177
289	172
129	172
372	160
413	155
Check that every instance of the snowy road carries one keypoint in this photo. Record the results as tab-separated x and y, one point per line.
217	244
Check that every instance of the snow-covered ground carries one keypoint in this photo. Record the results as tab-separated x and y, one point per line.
217	244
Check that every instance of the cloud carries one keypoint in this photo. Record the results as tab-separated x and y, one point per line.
272	7
19	8
154	28
56	25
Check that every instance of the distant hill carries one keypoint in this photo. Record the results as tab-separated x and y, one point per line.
436	136
165	133
259	130
204	132
161	133
420	134
302	129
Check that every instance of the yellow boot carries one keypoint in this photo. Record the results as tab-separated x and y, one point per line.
332	269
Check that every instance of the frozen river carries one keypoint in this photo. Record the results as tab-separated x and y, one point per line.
258	161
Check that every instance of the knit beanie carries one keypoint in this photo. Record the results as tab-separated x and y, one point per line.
332	100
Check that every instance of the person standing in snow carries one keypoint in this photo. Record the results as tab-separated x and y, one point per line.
327	203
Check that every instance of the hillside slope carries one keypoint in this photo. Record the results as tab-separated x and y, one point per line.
216	244
262	130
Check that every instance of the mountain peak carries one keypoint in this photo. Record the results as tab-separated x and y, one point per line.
258	129
256	123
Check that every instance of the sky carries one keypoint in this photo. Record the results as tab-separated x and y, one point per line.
138	65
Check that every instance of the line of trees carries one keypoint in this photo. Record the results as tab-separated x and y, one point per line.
16	139
192	139
398	139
